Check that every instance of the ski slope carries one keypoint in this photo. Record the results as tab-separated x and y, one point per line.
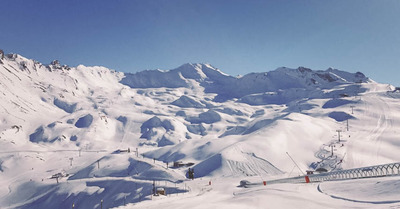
223	193
78	123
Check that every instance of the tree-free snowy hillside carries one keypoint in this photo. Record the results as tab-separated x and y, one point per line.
79	135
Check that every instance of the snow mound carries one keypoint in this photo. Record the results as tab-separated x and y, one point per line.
166	140
85	121
69	108
124	165
264	123
255	126
185	101
155	122
73	138
234	130
235	162
197	129
38	136
230	111
207	167
162	132
208	117
340	116
52	125
333	103
258	113
181	113
122	119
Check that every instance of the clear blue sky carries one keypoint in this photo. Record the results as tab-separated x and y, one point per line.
237	36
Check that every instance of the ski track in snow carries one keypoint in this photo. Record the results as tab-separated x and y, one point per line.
357	201
377	109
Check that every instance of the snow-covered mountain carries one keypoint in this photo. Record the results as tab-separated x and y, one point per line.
215	81
79	121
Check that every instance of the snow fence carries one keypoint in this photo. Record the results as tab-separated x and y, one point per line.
392	169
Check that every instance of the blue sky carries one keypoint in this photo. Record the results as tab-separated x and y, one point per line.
237	36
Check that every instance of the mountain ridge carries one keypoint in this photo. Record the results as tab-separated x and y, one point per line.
87	126
66	84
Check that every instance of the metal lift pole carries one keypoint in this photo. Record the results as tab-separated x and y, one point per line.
295	163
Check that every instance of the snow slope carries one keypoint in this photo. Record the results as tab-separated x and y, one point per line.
78	123
352	194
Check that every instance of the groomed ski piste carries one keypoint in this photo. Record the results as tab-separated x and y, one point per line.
90	137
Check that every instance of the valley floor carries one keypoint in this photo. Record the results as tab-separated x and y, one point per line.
376	193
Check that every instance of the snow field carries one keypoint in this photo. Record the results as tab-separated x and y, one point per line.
230	128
